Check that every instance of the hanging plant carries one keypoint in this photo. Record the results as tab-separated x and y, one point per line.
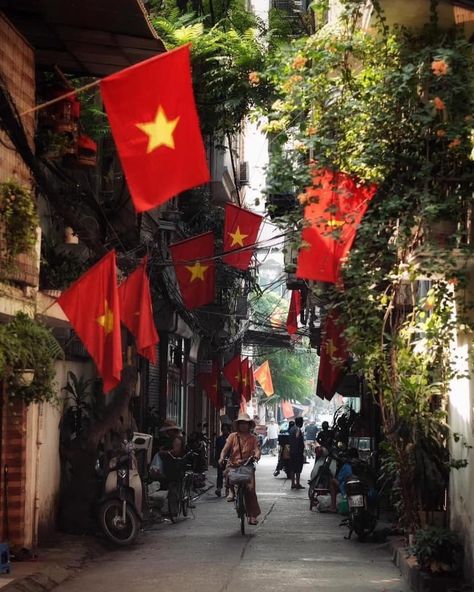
19	219
27	354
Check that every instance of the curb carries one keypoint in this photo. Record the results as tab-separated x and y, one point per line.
418	580
52	576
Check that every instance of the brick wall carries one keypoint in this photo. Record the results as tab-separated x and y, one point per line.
13	457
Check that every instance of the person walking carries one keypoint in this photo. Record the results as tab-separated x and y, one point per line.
239	447
296	453
219	446
310	436
272	434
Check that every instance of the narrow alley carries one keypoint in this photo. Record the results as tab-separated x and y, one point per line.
291	547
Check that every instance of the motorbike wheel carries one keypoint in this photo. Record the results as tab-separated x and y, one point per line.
119	532
363	525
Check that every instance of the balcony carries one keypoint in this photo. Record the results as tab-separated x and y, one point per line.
23	270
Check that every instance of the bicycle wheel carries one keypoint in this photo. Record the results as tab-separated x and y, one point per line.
186	495
240	507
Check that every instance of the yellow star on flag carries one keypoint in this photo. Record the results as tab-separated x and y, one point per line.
107	319
330	348
237	237
197	271
335	223
159	131
244	381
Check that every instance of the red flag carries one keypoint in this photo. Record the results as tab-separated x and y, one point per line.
287	409
332	358
293	312
264	377
92	306
137	312
154	122
232	373
240	231
194	269
209	381
336	204
245	386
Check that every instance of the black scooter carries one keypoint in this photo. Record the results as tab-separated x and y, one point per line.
120	507
362	501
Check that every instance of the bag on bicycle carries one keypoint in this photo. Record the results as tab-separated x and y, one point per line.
240	475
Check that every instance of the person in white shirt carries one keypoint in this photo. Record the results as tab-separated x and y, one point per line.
272	434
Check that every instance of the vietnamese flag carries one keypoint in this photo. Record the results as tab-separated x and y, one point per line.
210	383
155	126
137	312
240	235
245	386
264	377
195	271
287	409
232	373
293	312
92	306
332	358
336	204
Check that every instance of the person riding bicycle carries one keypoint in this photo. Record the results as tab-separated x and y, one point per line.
241	446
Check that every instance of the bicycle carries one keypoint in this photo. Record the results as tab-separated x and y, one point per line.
240	497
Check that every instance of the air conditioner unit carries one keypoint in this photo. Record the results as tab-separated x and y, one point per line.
244	173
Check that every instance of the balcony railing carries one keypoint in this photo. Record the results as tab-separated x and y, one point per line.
23	270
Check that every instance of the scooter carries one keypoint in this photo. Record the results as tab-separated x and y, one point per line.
120	508
361	499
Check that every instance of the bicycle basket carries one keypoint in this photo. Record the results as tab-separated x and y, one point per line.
240	475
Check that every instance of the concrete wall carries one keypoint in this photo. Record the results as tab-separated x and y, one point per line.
461	419
43	467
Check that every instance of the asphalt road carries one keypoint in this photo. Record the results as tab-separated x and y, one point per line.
291	549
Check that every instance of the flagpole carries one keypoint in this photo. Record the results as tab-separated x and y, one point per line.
61	98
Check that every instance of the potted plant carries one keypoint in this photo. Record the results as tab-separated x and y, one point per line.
438	551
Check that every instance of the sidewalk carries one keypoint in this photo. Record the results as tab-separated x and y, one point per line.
54	565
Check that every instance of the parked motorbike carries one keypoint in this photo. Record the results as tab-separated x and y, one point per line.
362	501
120	507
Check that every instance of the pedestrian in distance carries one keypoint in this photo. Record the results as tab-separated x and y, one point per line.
311	433
297	457
219	446
272	435
240	446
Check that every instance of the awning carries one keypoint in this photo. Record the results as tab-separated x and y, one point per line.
85	37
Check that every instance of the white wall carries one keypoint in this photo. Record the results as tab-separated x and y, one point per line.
43	462
461	420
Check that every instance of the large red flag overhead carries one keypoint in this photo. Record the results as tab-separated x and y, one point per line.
264	377
332	358
232	373
92	306
137	312
195	271
209	381
245	385
287	409
154	122
240	234
336	204
293	312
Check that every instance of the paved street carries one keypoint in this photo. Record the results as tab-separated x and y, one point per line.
290	549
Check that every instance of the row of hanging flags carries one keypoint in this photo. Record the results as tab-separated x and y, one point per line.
238	372
154	122
334	207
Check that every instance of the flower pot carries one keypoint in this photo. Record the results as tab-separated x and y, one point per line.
24	377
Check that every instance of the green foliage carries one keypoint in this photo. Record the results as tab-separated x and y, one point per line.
58	269
395	109
438	550
19	219
225	49
293	373
27	344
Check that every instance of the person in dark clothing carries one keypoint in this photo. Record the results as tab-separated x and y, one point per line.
219	445
326	437
296	453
